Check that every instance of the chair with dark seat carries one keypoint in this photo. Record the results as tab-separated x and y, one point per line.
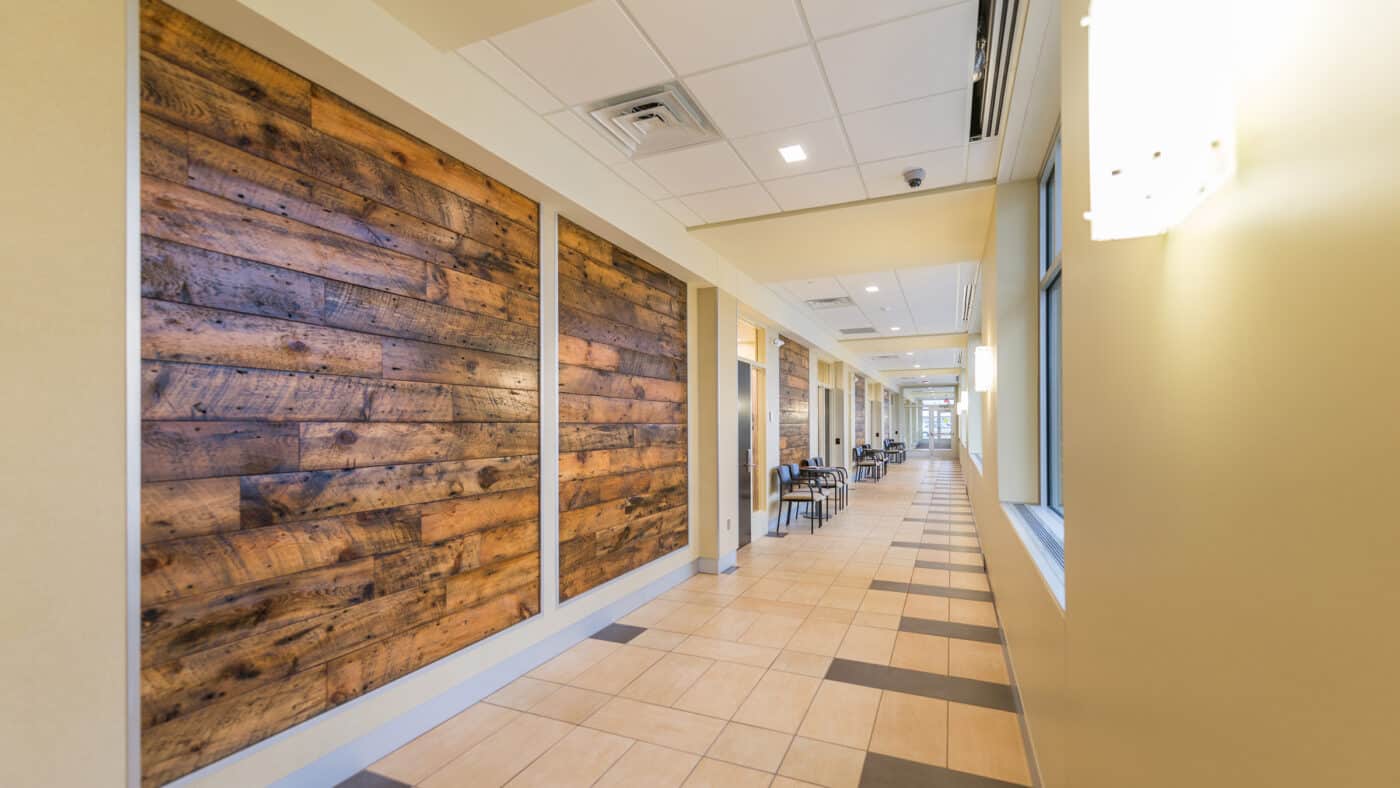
797	490
867	467
833	479
879	456
895	450
826	481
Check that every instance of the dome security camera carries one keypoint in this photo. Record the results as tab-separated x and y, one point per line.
778	342
914	177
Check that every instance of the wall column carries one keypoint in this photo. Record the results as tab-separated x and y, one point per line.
717	429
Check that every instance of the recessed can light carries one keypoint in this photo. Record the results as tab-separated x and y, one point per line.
894	328
793	154
872	288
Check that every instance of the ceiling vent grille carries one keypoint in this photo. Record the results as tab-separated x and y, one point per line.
965	309
864	330
885	357
830	303
655	120
996	34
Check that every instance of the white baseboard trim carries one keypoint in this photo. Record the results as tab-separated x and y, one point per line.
715	566
352	758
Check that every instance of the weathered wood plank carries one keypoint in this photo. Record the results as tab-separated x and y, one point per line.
474	403
478	296
586	492
172	391
593	437
417	564
184	567
339	118
408	360
587	464
491	580
164	150
581	268
197	335
609	514
591	382
192	507
386	314
281	498
575	322
356	445
378	664
596	355
579	408
460	516
174	628
601	303
199	738
173	450
199	277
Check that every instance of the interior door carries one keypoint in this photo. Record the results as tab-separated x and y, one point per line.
745	394
833	452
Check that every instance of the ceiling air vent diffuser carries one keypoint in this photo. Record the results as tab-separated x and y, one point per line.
830	303
863	330
655	120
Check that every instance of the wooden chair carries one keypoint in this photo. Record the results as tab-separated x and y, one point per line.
795	491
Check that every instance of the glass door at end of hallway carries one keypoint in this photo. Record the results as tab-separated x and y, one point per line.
941	435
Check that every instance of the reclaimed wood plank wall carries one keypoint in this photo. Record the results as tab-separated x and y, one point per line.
340	436
858	411
622	412
794	402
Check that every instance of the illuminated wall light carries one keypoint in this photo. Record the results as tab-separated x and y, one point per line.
1161	113
962	401
983	367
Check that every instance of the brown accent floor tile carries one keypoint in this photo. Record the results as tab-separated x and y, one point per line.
912	727
756	748
841	714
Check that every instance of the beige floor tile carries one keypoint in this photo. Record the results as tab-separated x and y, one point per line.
767	588
413	762
832	614
649	766
728	624
867	644
665	682
582	656
687	618
618	669
577	761
787	782
986	742
912	727
914	651
965	559
804	593
756	748
818	637
718	774
647	615
886	602
771	606
931	577
972	659
822	763
779	701
841	713
658	639
500	756
933	608
743	653
721	690
570	704
803	663
937	556
679	730
522	693
877	620
966	611
894	574
771	630
964	541
971	581
844	598
850	581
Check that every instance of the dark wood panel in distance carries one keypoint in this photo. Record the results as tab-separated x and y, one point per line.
794	401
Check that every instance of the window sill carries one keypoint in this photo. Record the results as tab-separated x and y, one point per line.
1042	531
976	460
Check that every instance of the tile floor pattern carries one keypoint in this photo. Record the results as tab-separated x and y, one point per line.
868	654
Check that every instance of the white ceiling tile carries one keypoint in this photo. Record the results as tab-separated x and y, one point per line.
586	53
828	187
823	142
590	139
829	17
643	182
927	54
683	214
843	317
497	66
694	37
982	158
736	203
941	168
937	289
699	168
773	92
930	123
809	289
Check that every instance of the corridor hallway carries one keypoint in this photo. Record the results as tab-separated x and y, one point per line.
866	654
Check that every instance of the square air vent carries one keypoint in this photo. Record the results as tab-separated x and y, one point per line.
655	120
864	330
830	303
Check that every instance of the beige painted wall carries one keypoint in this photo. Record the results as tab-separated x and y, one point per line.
62	325
716	483
1016	223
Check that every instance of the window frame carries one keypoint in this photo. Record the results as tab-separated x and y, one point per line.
1051	266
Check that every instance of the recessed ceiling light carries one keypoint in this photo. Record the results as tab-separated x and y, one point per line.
793	154
872	288
909	353
894	328
918	366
